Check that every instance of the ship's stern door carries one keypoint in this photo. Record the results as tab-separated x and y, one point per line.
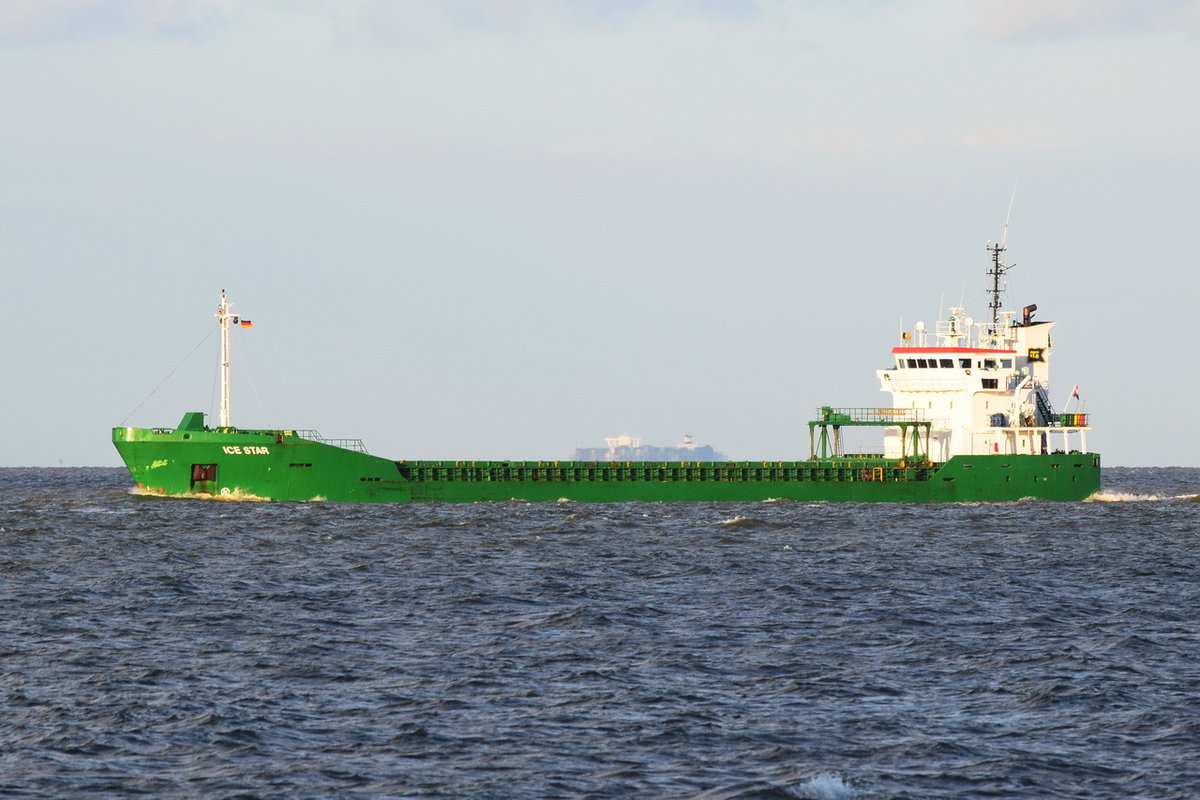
204	479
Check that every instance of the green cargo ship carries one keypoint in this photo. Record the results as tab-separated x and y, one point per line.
970	421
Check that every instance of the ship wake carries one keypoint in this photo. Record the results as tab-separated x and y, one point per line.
234	496
1127	497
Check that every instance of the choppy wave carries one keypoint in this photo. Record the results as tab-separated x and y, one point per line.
724	651
822	787
826	787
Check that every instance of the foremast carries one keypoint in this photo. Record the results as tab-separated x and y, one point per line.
226	318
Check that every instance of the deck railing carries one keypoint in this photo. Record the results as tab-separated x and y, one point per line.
346	444
868	416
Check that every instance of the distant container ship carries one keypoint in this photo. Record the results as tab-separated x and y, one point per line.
970	420
630	448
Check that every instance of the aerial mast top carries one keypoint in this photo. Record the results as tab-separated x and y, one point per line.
999	268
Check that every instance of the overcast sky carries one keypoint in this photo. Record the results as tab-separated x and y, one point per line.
489	229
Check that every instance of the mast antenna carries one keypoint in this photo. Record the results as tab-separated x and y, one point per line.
999	268
1012	197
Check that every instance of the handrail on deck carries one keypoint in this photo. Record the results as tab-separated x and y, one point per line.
346	444
827	415
1069	420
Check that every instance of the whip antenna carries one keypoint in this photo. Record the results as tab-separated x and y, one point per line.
999	268
1008	216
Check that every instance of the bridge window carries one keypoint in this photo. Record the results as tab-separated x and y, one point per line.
964	363
922	363
947	363
912	363
1006	363
989	363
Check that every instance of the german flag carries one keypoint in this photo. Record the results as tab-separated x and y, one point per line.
245	323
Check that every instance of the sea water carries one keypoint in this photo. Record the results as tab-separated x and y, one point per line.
190	648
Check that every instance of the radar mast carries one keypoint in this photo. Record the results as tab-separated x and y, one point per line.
999	268
997	271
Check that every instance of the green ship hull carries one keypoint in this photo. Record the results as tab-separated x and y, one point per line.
193	460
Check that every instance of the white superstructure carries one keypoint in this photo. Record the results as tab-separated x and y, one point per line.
984	387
